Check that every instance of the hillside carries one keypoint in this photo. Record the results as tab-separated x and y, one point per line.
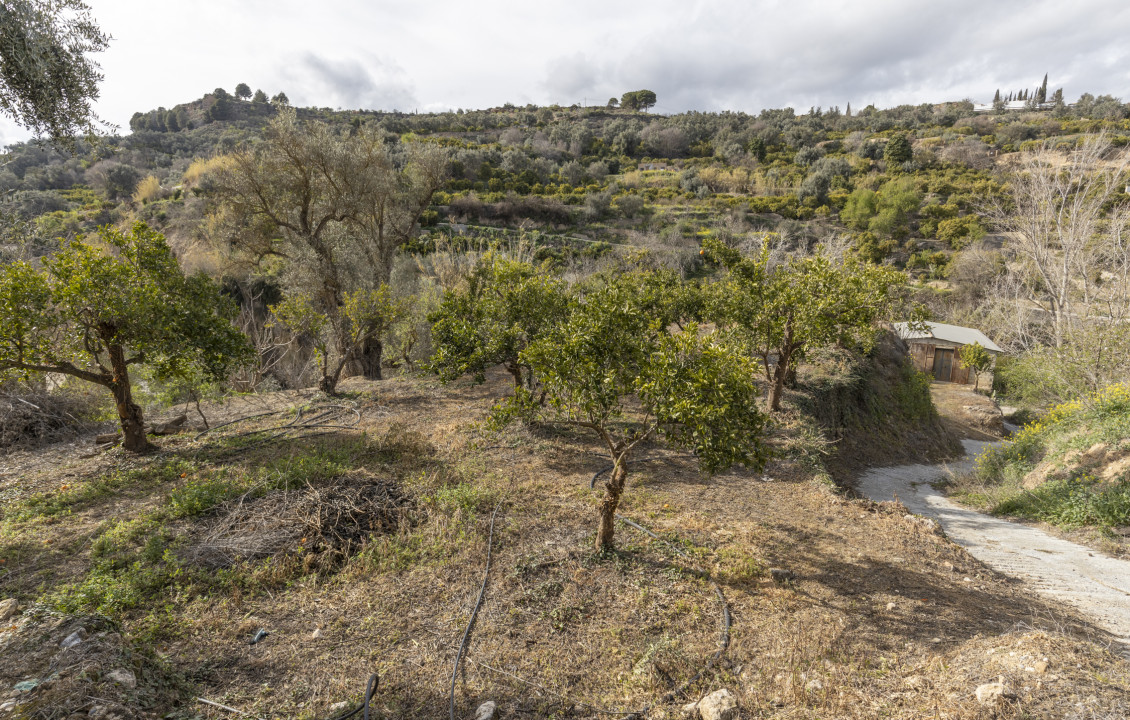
172	562
612	177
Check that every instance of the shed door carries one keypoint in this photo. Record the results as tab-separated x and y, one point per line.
943	364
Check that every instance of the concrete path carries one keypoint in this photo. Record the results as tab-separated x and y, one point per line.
1097	585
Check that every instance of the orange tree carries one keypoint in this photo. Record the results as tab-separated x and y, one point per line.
94	310
784	312
616	368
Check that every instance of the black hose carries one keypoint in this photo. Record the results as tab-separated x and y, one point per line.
370	690
724	642
592	483
474	614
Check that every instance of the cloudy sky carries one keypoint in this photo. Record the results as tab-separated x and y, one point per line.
732	54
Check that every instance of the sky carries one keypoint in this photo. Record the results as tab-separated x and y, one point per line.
722	55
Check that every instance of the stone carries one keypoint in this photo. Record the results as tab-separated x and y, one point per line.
690	711
74	638
107	438
8	608
1040	667
891	606
339	707
718	705
7	706
170	427
316	634
125	678
781	576
487	711
98	712
814	685
990	693
26	686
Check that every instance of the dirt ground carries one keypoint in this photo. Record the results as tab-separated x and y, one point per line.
967	414
875	615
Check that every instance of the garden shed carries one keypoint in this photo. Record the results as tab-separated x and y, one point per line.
935	348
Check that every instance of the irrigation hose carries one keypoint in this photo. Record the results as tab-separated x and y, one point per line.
474	615
370	690
592	483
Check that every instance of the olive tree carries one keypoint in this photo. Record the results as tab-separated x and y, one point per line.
96	309
786	311
48	81
338	338
615	369
333	206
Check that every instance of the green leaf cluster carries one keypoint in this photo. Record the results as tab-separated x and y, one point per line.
491	319
121	290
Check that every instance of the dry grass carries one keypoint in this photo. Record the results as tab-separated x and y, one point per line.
878	599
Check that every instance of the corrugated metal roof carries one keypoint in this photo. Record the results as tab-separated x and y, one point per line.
949	333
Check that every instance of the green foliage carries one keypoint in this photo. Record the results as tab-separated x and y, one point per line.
898	150
614	368
92	312
976	358
783	313
490	320
48	82
960	232
638	100
1074	496
1073	502
340	335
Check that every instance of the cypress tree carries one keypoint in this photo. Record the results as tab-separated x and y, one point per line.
1042	96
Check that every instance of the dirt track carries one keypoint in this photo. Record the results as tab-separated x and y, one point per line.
1097	585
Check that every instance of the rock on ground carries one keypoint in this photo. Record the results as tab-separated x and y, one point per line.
125	678
8	608
718	705
487	711
990	692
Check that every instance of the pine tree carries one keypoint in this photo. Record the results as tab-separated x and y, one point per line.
1042	95
997	97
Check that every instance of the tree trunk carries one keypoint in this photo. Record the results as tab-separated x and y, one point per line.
328	385
515	371
369	359
129	412
612	491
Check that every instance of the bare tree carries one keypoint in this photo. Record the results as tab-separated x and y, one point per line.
1064	297
1057	229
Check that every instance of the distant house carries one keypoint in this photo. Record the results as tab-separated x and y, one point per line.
934	351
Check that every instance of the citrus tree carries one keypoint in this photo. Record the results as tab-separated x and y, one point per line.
614	368
782	313
97	308
492	318
976	358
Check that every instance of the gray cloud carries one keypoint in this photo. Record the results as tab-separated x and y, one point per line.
327	82
815	53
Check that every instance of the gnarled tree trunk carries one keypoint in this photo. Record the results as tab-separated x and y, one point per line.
369	359
613	489
129	412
